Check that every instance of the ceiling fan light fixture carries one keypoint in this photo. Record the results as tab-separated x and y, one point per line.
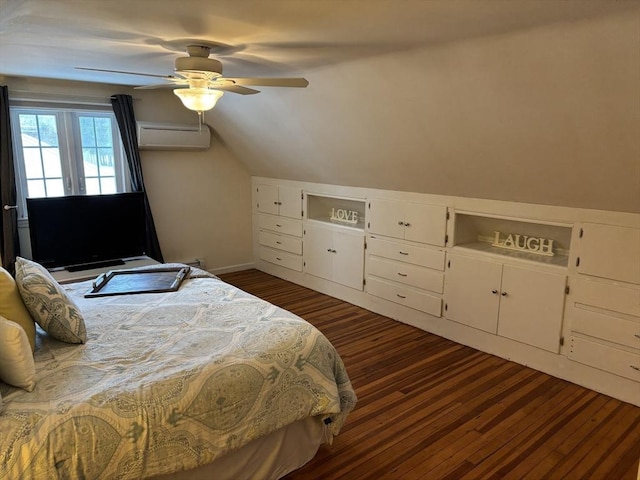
198	99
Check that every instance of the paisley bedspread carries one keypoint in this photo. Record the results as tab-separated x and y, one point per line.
167	382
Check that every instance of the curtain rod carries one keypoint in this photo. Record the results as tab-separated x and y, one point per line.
31	96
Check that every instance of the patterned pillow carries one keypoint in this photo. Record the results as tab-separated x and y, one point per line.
48	303
12	308
17	367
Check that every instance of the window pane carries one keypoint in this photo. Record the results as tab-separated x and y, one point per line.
32	162
90	162
51	160
92	186
55	187
87	132
108	185
36	188
48	130
103	132
106	161
29	129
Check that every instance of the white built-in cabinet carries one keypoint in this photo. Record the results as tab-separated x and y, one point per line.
520	303
541	285
408	221
605	300
279	200
334	254
280	225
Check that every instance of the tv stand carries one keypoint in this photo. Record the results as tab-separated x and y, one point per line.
67	276
89	266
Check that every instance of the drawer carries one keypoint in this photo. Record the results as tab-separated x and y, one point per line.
281	242
607	295
288	226
610	359
607	327
287	260
405	295
406	273
425	257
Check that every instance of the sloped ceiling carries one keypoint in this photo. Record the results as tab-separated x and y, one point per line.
522	100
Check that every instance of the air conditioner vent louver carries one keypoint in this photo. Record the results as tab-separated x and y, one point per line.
172	136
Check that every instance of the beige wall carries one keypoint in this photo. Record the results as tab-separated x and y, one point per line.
201	201
549	115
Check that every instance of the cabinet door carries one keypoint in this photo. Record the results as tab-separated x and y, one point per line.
386	217
318	251
290	202
348	261
531	306
610	252
471	292
267	199
425	223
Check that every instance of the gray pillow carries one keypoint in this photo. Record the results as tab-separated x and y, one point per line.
48	303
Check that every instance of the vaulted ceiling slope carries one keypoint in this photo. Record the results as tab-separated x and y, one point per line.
523	100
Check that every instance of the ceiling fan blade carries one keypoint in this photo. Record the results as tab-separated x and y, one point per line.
169	77
271	82
235	89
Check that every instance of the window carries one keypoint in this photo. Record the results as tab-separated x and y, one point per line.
66	152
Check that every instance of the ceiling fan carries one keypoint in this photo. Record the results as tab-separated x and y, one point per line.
199	83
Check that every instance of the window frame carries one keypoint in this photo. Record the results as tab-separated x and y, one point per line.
70	148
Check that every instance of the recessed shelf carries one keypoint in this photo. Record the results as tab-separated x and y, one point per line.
345	212
477	232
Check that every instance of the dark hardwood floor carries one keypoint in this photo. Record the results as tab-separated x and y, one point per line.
429	408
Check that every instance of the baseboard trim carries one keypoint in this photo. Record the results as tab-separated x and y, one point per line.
232	268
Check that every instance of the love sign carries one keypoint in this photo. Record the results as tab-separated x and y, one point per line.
343	215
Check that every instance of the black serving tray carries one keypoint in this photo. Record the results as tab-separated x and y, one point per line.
130	282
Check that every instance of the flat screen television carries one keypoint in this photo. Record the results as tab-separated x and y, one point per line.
81	231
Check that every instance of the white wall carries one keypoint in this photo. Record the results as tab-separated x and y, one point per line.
548	115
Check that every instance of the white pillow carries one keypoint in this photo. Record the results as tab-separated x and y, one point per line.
17	367
48	303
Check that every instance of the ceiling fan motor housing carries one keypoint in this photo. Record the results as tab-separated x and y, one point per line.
198	64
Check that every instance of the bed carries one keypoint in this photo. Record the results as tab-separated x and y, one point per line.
204	382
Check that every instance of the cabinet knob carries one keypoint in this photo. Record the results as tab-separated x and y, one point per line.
504	294
407	224
494	292
400	223
329	250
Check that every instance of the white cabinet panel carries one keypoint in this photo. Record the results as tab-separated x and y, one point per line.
607	295
620	362
408	221
279	200
278	257
472	292
607	327
610	252
288	226
425	257
405	295
281	242
335	255
531	307
407	274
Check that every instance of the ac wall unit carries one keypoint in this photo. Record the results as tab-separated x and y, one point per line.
172	136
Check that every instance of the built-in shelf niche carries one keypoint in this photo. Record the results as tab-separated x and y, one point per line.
346	212
477	232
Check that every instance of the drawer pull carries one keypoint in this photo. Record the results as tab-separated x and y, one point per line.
278	225
279	259
403	253
400	296
402	274
635	367
278	243
637	335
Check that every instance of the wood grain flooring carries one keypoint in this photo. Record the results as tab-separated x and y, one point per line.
429	408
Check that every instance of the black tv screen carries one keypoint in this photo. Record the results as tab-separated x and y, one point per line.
84	229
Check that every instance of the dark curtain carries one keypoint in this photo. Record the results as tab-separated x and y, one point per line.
9	244
123	109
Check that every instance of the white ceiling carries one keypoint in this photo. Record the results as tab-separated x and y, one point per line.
49	38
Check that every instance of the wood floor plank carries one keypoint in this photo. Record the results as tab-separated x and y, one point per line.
429	408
